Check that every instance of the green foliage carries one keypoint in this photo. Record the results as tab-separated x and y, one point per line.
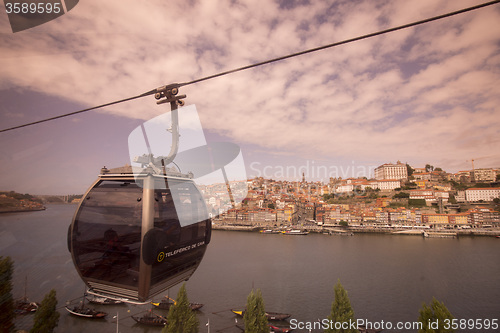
432	317
409	186
482	185
409	169
397	205
271	206
344	223
401	195
46	317
6	300
255	315
342	311
181	318
452	199
458	186
416	202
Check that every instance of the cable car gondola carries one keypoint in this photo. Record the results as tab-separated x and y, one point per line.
137	233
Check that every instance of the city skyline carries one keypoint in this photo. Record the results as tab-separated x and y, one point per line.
421	95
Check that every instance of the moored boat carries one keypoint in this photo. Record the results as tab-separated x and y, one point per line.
150	319
295	232
269	315
104	301
196	306
439	234
24	306
277	316
86	312
278	329
269	231
165	304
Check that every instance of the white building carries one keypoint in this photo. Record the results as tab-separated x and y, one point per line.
388	184
485	194
391	171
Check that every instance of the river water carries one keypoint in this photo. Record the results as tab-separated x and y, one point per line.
387	277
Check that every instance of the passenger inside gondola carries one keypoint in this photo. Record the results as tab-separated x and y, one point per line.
115	251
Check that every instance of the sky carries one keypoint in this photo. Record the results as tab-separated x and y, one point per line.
424	95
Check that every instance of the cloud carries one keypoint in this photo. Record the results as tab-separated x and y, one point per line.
408	95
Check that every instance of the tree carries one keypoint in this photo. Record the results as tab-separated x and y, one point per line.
181	318
409	170
416	202
255	316
342	311
6	300
433	318
452	199
401	195
46	317
428	168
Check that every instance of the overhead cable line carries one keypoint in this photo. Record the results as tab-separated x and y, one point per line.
266	62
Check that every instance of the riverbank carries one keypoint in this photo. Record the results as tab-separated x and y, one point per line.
21	209
484	232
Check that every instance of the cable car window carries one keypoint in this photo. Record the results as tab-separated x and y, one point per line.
189	203
107	233
180	212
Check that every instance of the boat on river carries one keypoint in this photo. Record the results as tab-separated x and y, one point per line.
295	232
165	304
439	234
269	231
86	312
104	301
23	305
150	319
269	315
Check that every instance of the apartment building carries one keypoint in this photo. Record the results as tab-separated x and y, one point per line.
484	194
391	171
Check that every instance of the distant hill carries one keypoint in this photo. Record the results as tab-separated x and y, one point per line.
17	202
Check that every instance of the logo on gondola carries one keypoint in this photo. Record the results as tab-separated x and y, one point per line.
161	256
26	14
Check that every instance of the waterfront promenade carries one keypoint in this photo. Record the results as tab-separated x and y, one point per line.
392	230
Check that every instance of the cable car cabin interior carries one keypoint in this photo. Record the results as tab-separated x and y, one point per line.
135	238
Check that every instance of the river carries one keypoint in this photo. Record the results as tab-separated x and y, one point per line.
387	277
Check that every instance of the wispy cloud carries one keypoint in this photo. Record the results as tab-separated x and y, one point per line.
423	94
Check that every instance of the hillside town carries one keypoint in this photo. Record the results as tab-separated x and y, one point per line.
398	196
17	202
